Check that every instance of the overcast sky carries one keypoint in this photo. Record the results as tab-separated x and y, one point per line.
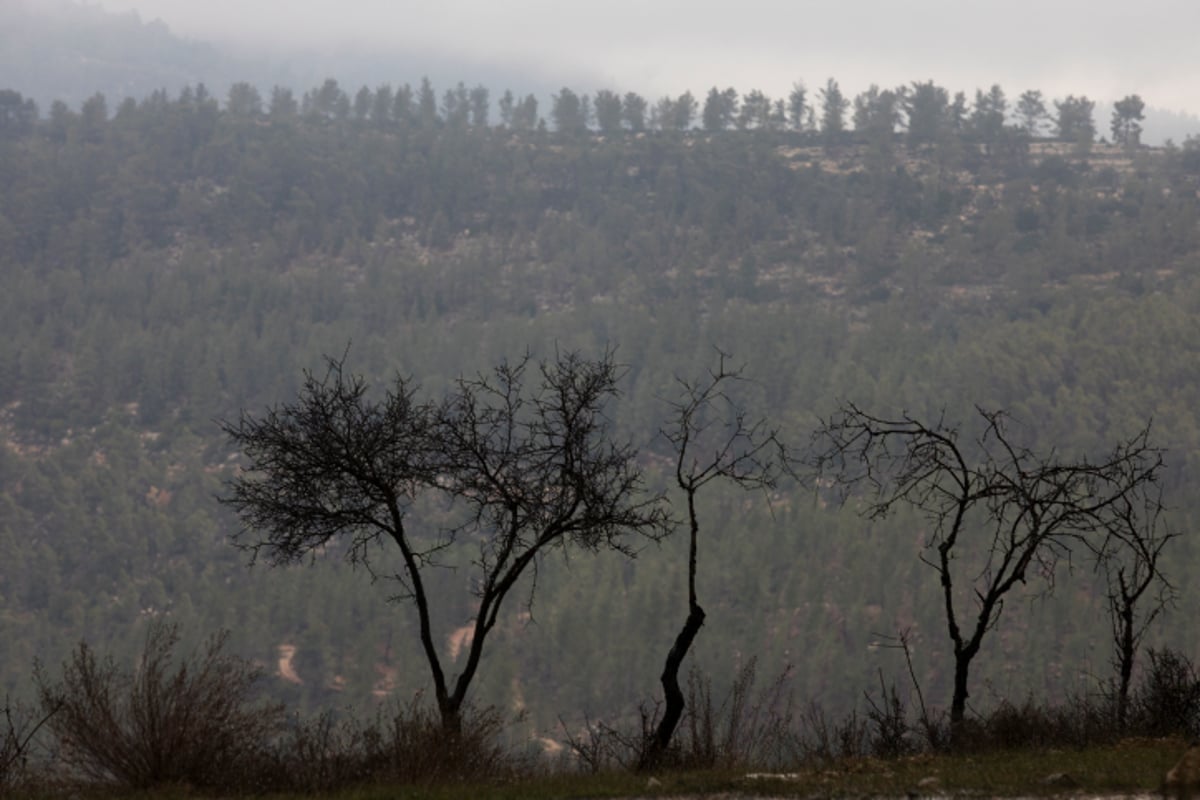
1103	48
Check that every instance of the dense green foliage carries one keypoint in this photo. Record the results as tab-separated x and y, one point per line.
172	263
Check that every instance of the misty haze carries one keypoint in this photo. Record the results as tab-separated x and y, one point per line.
599	400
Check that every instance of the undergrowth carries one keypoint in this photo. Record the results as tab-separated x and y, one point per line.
194	723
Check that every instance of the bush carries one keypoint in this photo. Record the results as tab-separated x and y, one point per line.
1025	725
744	729
1167	701
890	729
318	755
404	745
17	729
194	725
410	745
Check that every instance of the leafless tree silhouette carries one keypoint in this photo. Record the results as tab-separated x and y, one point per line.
714	438
999	513
522	471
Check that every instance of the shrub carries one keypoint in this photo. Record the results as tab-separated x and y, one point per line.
1026	725
1167	701
744	729
890	729
323	754
17	729
193	724
406	744
410	745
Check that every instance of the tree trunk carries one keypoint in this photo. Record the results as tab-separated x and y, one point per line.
673	712
1125	663
958	703
451	713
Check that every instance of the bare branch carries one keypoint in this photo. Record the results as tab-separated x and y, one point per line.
519	464
1030	508
713	437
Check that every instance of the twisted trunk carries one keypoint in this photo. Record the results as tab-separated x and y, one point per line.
673	709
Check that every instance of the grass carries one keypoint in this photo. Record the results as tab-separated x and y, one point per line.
1129	767
1132	766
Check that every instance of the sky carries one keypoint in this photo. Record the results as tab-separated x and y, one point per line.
1104	49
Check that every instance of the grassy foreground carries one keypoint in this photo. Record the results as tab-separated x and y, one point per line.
1129	767
1133	766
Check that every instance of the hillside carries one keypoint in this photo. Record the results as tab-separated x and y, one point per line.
168	263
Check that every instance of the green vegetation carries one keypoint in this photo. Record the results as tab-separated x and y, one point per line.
172	261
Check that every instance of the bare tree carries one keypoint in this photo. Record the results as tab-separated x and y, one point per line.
1130	558
519	471
1029	508
713	437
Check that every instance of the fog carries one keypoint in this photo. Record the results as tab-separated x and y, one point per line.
1104	49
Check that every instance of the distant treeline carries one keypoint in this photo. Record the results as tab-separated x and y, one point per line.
923	112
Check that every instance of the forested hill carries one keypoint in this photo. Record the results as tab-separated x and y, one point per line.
170	262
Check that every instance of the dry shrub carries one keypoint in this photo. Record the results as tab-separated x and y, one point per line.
13	745
18	726
1080	721
598	745
410	745
746	729
1167	701
822	741
1025	725
743	729
404	744
192	723
890	735
322	754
